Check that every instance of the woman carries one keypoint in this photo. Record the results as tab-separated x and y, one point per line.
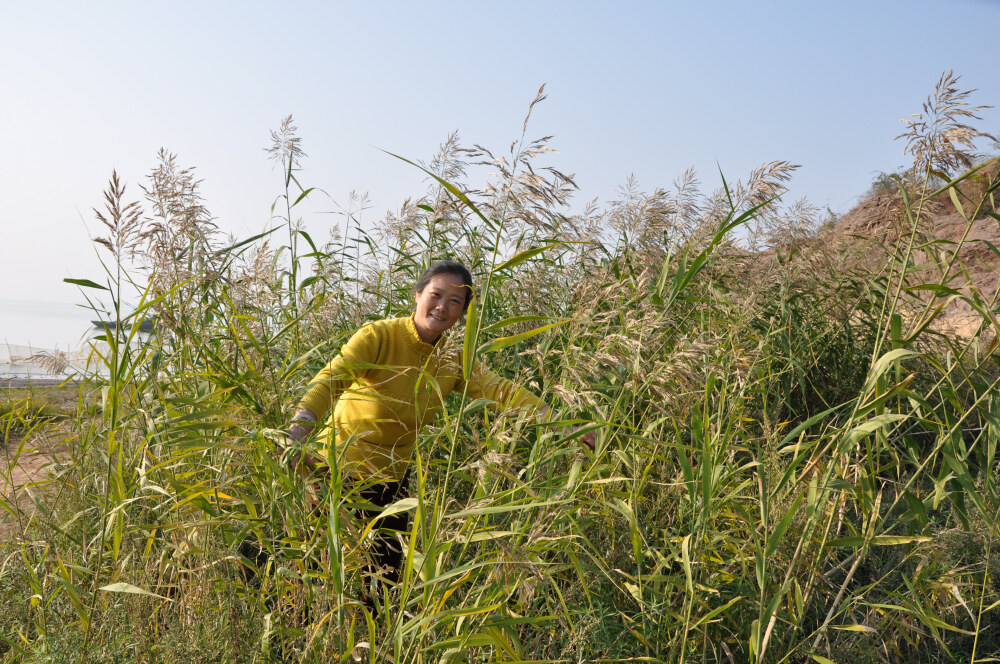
385	382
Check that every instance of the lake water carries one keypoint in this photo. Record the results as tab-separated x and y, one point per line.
31	327
45	325
33	333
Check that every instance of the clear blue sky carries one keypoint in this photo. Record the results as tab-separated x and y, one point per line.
644	88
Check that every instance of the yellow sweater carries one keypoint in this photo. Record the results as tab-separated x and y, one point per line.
386	382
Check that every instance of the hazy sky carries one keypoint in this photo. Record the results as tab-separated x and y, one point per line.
643	88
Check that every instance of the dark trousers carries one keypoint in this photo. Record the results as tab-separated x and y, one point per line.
386	552
386	555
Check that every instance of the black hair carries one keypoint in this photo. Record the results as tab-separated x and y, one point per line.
448	267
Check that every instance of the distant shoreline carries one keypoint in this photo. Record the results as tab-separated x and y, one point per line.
43	381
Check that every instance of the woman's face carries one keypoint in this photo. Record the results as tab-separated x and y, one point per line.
439	306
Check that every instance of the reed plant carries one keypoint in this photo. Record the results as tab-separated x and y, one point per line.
793	462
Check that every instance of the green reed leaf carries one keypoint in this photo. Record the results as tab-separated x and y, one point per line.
505	342
779	532
471	334
878	540
819	658
855	628
304	193
521	257
86	283
129	589
717	611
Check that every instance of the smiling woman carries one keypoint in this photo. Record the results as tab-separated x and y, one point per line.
443	295
387	380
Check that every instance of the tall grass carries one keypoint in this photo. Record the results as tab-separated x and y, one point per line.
792	463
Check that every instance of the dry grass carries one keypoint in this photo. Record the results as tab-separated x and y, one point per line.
940	138
783	460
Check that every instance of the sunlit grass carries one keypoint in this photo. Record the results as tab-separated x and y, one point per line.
792	463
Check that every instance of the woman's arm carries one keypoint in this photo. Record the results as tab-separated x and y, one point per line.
303	423
327	386
484	384
342	371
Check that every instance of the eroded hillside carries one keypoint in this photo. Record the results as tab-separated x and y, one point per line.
954	247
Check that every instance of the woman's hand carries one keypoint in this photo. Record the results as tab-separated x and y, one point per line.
310	463
299	431
301	427
303	423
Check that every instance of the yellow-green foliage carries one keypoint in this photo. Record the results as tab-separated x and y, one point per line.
791	463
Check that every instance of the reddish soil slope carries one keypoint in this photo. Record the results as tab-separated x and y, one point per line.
881	218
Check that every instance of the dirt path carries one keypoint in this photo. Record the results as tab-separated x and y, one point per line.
25	465
27	458
40	449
